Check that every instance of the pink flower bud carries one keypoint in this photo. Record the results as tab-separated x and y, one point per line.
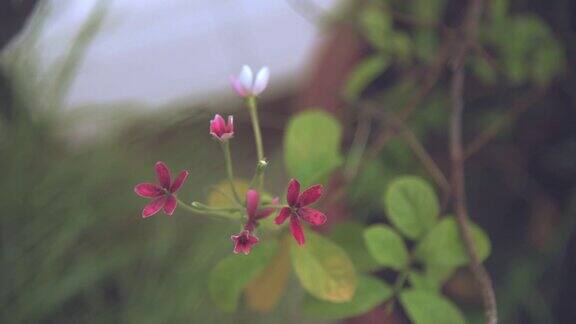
221	130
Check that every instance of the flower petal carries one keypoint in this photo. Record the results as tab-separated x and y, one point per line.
163	174
170	205
263	213
282	216
293	192
297	230
230	125
253	240
261	81
312	216
179	181
154	206
148	190
310	195
252	201
217	126
237	86
246	78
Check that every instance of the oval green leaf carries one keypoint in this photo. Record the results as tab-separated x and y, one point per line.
324	269
443	244
233	273
363	74
386	246
426	307
411	205
312	146
370	293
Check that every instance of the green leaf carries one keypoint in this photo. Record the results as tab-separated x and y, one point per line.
370	293
443	245
349	235
312	146
411	205
324	269
363	74
425	307
432	278
376	26
420	281
233	273
429	10
265	291
386	246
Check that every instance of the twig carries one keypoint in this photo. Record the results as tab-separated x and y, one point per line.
421	153
478	48
490	133
457	157
358	147
430	79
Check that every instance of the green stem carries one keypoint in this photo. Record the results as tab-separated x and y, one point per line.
402	276
229	170
204	212
201	206
251	103
258	174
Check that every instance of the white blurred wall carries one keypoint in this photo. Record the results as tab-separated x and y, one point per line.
158	51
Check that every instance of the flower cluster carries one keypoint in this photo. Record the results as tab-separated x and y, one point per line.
297	208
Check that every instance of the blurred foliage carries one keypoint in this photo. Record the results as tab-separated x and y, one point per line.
74	248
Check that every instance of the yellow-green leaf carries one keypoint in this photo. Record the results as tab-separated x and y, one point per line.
312	146
443	244
233	273
426	307
386	246
370	293
264	292
324	269
411	205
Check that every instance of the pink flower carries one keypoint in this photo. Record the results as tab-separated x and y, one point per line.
297	210
162	195
244	241
255	214
220	130
246	86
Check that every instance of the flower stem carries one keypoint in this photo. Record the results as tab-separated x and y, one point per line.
251	103
199	211
229	170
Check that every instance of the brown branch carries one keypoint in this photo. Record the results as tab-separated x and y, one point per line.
518	107
482	276
431	77
417	148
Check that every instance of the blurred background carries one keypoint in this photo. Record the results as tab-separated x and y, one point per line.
93	93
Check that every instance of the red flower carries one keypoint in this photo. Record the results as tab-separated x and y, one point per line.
162	195
255	214
221	130
244	241
298	211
